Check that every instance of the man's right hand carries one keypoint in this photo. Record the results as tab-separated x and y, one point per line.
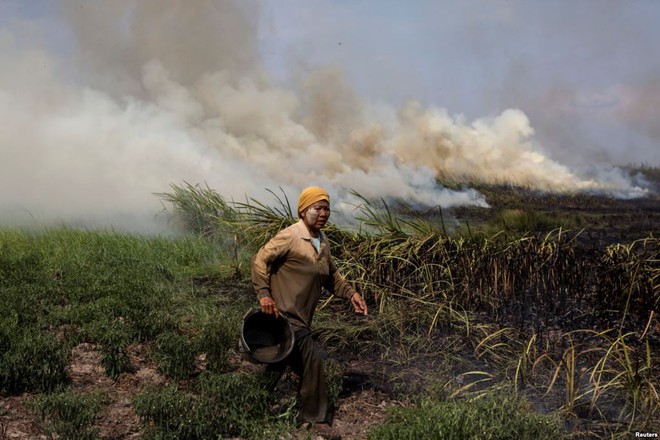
268	306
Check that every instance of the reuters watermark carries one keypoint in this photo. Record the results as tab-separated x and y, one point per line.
646	435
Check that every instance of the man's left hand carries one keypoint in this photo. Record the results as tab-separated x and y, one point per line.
358	304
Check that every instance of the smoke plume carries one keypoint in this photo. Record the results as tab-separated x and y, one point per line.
138	95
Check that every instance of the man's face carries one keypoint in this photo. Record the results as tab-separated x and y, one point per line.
316	216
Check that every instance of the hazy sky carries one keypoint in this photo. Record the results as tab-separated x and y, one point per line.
103	103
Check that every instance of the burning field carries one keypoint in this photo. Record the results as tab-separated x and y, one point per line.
511	270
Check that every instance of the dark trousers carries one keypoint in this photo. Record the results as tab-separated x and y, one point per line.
305	360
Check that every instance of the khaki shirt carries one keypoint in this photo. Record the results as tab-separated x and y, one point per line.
289	269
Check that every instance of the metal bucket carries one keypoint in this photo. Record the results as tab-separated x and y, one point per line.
264	338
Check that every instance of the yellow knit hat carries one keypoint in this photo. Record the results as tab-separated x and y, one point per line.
311	195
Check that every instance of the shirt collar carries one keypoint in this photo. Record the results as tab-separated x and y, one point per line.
303	232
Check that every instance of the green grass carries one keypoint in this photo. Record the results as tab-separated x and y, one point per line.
98	287
175	355
494	416
30	361
69	415
221	406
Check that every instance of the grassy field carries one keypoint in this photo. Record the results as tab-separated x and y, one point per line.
514	324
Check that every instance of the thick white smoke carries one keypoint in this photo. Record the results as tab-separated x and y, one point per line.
153	93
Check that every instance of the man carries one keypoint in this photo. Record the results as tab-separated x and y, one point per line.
288	274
